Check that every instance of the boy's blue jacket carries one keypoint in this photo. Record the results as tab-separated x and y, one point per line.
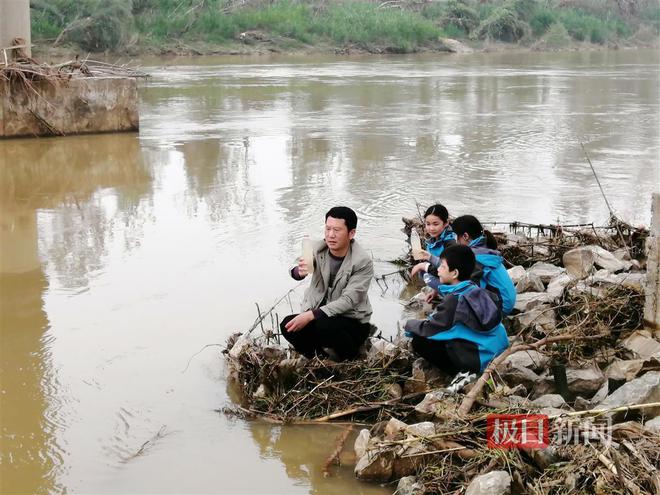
466	312
490	274
436	246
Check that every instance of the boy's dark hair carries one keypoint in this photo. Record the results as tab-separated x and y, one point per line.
345	213
438	210
459	258
473	227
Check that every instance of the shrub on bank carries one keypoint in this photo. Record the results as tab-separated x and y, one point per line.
98	25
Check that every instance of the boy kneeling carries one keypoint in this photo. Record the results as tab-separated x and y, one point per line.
465	331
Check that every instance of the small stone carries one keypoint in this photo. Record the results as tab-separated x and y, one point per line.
517	273
361	443
601	394
394	429
513	375
261	392
540	317
375	465
550	400
642	345
653	424
530	300
408	485
424	429
381	350
578	262
557	285
642	390
634	280
395	391
423	375
493	483
585	381
621	254
607	260
240	346
531	359
624	370
530	283
546	271
428	406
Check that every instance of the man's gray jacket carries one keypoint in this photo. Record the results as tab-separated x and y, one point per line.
348	296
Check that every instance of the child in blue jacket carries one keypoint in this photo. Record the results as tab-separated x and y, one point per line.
436	224
465	331
490	272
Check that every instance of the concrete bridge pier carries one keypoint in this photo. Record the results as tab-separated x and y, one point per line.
15	23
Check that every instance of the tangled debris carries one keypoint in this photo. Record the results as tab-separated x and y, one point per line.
25	73
578	355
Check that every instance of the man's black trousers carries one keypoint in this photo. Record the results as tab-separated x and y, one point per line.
342	335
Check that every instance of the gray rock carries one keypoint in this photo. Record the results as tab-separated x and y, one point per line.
513	375
516	400
624	370
381	350
546	271
375	465
517	273
621	254
642	390
395	391
607	260
261	392
361	443
530	283
542	317
653	424
531	359
493	483
557	285
423	375
455	46
578	262
632	280
240	346
601	394
530	300
643	345
424	429
394	428
408	485
429	405
550	400
585	381
543	458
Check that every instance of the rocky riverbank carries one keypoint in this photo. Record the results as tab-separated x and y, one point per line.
578	356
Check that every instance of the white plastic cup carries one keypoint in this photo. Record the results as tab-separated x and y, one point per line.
308	254
415	244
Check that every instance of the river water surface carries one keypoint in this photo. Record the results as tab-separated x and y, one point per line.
123	255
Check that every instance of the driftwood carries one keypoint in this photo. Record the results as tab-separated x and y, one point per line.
334	457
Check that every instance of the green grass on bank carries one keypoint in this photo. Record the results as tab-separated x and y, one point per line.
98	25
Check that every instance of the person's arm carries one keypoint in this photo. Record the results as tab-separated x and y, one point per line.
354	293
299	271
441	320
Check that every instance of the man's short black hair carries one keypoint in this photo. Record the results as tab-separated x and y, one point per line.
459	258
345	213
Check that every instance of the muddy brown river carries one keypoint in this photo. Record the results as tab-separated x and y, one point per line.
123	255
